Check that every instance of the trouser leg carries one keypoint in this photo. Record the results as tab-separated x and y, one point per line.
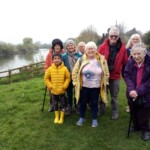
114	91
94	101
83	101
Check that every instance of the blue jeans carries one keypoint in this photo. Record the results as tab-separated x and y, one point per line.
91	94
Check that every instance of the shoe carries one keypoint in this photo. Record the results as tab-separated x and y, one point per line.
127	109
132	129
114	116
51	109
94	123
145	136
80	122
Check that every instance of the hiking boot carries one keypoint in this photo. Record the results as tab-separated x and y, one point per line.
127	109
114	116
94	123
51	109
145	136
132	129
80	122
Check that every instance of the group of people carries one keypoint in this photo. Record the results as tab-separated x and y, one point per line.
84	74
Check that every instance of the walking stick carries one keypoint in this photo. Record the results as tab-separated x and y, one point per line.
129	125
44	99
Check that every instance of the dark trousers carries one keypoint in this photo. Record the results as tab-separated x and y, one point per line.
70	94
91	94
140	117
50	100
59	102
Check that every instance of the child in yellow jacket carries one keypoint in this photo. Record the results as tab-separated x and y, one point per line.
57	79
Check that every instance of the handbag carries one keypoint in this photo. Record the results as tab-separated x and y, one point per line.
139	101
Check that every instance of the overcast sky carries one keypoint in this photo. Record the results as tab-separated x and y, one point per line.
44	20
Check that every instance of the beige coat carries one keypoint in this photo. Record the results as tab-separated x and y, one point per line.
77	77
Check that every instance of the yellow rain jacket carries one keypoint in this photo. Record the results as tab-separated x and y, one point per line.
57	79
77	77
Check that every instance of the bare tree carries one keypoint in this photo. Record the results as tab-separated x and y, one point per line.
89	34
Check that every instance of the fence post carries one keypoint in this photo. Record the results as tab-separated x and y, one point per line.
9	76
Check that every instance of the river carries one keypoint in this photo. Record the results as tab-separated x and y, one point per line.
20	60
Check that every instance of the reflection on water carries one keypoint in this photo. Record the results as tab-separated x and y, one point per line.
20	60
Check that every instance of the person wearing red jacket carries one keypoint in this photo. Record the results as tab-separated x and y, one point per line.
57	47
115	53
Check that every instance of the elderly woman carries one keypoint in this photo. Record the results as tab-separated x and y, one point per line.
137	78
135	38
90	77
69	58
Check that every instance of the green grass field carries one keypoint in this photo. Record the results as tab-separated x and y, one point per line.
24	127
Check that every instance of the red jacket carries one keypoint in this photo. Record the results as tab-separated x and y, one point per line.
120	59
48	61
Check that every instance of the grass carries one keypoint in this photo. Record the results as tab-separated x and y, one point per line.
23	125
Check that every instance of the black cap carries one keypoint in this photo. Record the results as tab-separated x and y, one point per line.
57	41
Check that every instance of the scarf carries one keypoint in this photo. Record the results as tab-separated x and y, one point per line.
72	59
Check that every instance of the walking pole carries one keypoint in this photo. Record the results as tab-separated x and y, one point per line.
129	125
44	99
130	121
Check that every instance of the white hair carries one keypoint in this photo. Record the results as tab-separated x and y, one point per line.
81	44
129	44
114	29
139	46
90	44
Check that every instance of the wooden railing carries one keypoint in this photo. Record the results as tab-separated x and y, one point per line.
30	69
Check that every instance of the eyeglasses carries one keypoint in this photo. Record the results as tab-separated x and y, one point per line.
114	36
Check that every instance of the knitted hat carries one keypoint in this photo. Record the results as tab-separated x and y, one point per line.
70	41
57	41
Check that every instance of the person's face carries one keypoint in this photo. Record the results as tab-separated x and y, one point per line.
57	48
113	37
91	52
138	56
57	60
135	40
70	48
81	49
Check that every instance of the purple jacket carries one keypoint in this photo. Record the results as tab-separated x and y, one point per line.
130	79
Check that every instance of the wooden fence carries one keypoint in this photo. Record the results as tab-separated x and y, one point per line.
29	70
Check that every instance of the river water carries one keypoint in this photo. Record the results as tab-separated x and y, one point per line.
20	60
